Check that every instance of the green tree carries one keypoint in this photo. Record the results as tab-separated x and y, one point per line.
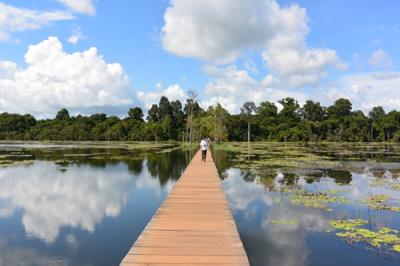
63	114
339	116
136	114
376	116
288	117
247	111
267	113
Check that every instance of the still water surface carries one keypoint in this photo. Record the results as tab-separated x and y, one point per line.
82	211
68	205
277	230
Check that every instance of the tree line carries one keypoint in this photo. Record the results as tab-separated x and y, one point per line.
171	120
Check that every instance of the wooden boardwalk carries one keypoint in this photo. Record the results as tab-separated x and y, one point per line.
193	226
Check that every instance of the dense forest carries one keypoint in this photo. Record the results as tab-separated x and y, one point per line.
170	120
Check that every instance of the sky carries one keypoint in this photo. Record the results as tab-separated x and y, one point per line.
107	56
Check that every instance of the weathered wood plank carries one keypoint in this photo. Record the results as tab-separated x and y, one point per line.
194	225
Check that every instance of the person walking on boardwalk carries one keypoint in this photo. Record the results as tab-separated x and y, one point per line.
204	148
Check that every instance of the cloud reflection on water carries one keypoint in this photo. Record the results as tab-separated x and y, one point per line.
79	197
254	205
26	256
271	244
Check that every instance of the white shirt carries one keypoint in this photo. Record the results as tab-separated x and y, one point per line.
203	145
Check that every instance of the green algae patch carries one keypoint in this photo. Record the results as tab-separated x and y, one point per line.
317	200
9	163
261	155
348	224
384	182
396	186
379	202
335	191
349	230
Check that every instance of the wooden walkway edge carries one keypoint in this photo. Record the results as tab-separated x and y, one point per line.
193	226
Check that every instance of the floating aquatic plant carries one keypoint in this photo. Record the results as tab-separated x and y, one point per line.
7	163
379	202
378	182
335	191
348	224
396	186
317	200
384	182
350	231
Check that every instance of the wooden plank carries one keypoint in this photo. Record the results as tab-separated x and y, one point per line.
193	226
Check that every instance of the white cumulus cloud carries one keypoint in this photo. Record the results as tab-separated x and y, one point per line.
80	6
368	90
231	87
215	30
172	92
13	19
54	79
221	30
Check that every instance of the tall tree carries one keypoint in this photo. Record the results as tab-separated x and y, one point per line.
376	114
153	114
63	114
288	117
339	114
190	109
247	110
267	114
136	114
178	118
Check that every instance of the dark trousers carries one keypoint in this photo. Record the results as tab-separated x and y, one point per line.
203	155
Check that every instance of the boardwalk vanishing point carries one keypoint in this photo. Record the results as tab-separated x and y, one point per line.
193	226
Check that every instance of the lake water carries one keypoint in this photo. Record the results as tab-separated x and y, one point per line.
75	205
84	210
283	215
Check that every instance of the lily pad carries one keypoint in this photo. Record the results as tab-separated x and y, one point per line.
379	202
350	231
317	200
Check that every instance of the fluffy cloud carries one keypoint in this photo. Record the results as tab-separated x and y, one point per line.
80	197
13	255
241	193
286	245
172	92
302	66
80	6
76	36
14	19
231	87
380	59
368	90
215	30
54	79
220	31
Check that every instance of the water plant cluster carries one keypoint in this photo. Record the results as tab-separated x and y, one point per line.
317	200
64	153
379	202
352	231
262	158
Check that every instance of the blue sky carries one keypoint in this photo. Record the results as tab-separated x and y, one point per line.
230	51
